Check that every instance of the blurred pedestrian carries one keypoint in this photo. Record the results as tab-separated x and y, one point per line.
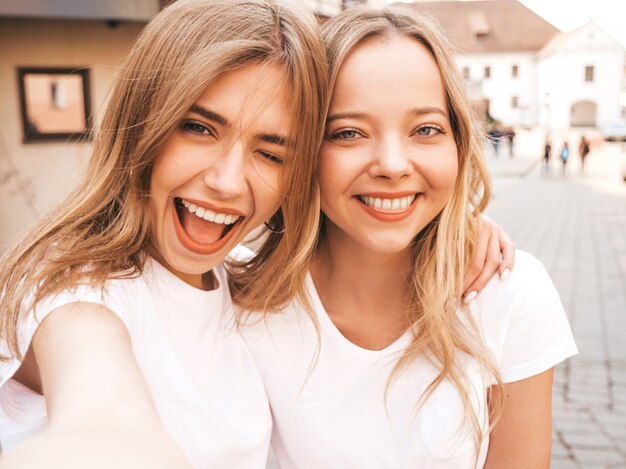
494	137
583	151
564	157
511	137
547	150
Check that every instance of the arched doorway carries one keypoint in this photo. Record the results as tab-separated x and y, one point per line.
583	114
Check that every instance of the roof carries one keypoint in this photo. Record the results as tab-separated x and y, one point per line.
488	26
596	39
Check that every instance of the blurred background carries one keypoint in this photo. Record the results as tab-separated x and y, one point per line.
540	74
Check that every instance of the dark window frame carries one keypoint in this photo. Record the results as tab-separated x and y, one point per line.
33	136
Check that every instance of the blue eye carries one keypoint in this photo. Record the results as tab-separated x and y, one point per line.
429	130
270	157
346	134
197	128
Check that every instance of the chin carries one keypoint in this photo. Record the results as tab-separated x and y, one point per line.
389	244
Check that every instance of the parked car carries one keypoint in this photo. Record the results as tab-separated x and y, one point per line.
615	131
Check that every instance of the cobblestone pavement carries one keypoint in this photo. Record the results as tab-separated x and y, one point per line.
577	227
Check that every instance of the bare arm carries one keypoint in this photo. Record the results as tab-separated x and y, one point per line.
522	436
495	252
100	410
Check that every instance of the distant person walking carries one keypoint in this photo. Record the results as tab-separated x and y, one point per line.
494	136
547	150
564	157
511	137
583	151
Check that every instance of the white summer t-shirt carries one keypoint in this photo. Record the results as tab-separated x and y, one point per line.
328	403
206	386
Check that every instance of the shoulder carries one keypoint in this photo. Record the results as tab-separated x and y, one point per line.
528	275
523	321
240	253
295	320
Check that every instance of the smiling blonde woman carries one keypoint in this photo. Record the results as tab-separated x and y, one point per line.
117	304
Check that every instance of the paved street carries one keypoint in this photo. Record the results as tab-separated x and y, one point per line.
577	227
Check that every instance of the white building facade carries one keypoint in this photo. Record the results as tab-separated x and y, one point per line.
528	73
508	81
580	79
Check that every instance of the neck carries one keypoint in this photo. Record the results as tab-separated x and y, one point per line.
364	292
204	281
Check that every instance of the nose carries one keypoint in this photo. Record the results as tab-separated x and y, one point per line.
391	160
227	175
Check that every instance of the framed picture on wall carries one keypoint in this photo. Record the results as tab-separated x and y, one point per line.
55	104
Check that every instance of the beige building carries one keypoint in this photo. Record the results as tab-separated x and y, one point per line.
37	173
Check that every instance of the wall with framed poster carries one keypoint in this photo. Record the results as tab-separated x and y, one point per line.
55	104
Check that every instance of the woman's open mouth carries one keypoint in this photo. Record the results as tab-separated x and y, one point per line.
201	229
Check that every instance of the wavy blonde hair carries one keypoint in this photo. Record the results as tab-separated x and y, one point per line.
101	230
442	251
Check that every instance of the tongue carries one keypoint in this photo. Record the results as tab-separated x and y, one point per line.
201	231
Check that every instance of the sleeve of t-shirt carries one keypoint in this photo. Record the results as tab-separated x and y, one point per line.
240	253
31	320
535	334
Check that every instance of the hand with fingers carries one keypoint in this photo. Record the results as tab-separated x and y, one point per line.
494	252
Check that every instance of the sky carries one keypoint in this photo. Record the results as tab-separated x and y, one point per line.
567	15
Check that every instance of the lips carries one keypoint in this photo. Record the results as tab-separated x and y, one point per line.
201	228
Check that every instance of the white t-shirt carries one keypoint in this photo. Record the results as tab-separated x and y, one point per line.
329	408
206	385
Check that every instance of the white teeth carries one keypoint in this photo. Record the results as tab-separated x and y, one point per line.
210	215
392	205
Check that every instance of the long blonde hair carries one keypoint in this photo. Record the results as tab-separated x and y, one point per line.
442	250
101	230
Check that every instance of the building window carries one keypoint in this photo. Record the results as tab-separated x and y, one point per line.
466	73
514	71
589	73
55	103
487	73
514	102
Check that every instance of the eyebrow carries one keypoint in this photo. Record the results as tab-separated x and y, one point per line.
275	139
420	111
345	115
212	116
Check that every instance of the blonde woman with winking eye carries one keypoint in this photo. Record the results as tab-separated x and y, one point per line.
115	310
118	342
380	364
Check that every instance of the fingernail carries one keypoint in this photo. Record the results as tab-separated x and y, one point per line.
470	297
505	274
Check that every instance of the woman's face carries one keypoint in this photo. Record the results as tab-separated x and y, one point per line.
216	178
389	161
